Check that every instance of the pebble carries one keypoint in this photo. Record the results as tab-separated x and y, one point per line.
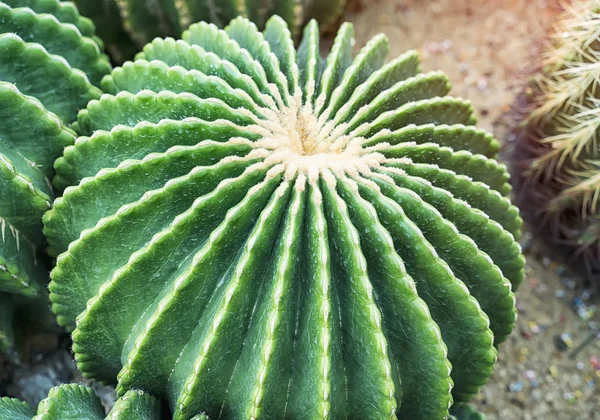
569	396
529	375
560	269
563	341
595	362
570	283
535	328
583	311
515	386
523	352
446	44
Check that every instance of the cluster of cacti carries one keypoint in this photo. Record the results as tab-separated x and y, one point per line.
125	23
49	63
251	230
557	157
70	401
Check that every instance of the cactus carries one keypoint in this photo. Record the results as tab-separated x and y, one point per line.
143	20
464	411
48	56
557	155
252	230
106	16
72	401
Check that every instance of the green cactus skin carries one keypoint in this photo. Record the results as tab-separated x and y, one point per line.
74	402
463	411
48	55
253	231
557	159
144	20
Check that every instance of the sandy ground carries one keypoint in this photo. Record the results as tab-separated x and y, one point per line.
486	47
489	49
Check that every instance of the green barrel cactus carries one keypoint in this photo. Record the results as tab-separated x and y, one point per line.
124	23
70	401
254	231
557	159
49	63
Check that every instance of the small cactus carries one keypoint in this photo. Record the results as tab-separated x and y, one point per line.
49	63
252	230
143	20
557	155
71	401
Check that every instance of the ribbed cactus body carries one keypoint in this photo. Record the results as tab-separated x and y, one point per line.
557	156
49	60
254	231
70	401
143	20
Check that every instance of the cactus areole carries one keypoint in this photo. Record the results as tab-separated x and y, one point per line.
252	231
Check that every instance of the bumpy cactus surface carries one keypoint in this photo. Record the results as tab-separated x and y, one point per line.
558	159
144	20
255	231
49	60
72	401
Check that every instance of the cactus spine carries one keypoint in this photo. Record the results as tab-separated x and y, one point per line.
557	157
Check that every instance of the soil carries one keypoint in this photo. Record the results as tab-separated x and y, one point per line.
489	50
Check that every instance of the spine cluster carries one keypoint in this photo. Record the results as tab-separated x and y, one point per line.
558	155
